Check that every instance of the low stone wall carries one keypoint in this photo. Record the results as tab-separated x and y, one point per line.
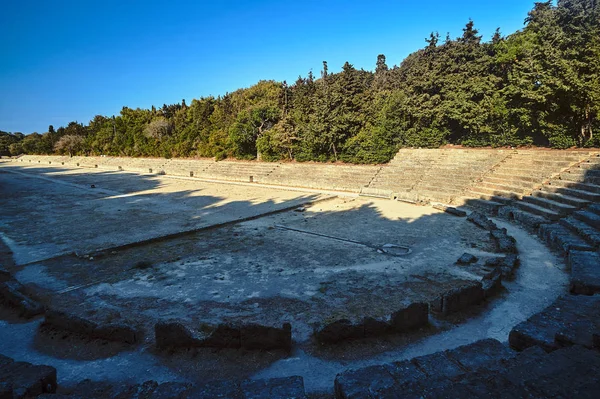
25	380
14	294
117	332
175	334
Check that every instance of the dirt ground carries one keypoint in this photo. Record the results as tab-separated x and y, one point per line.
142	248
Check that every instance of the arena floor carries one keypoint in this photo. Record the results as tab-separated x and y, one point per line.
147	247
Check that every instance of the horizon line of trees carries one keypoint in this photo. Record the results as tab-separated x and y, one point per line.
538	86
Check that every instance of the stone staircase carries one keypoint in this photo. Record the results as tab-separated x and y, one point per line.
484	369
519	175
438	175
337	177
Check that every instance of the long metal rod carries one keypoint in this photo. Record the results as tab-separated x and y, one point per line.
379	249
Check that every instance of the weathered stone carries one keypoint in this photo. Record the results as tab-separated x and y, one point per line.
171	390
529	220
462	297
4	274
426	376
173	334
13	293
585	272
69	322
575	317
492	282
507	264
482	221
138	391
6	390
504	242
27	380
438	364
467	259
376	327
118	332
411	317
339	330
223	336
450	210
275	388
255	336
487	353
217	389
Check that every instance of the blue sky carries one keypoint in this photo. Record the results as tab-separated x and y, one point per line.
70	60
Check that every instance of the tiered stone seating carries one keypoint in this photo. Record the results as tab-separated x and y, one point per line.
519	175
322	176
483	369
144	165
438	175
238	171
188	167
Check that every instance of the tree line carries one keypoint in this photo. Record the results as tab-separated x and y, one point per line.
538	86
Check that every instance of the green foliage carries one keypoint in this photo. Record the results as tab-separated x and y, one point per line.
537	86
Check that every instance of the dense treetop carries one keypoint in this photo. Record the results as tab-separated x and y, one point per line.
539	86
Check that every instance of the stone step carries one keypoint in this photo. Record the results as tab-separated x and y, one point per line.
591	218
584	230
506	176
489	206
524	185
501	188
537	210
562	239
494	195
593	188
570	318
561	198
557	207
530	220
594	208
585	273
585	195
583	172
274	388
408	378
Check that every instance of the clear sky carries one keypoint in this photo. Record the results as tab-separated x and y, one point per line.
70	60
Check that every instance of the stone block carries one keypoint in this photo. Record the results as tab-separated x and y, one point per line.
487	353
339	330
217	389
450	210
255	336
117	332
222	336
467	259
13	294
585	272
574	317
461	297
492	282
275	388
173	334
482	221
504	243
368	382
438	364
376	327
6	390
507	264
29	380
411	317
